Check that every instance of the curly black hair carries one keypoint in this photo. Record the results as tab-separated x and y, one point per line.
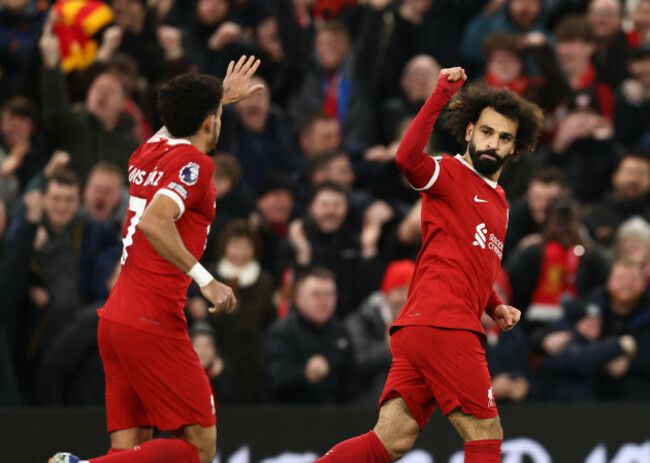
186	100
467	105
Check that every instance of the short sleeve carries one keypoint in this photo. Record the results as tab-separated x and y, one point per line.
186	179
441	179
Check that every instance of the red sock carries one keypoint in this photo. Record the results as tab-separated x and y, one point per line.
366	448
155	451
113	451
483	451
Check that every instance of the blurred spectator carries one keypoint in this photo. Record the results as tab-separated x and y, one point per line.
309	357
324	238
632	242
99	131
625	307
633	101
639	32
317	133
576	352
584	148
335	166
14	269
514	17
563	265
576	44
612	49
273	208
416	27
240	333
71	260
629	197
135	33
24	144
258	135
528	215
21	22
506	67
417	82
235	200
105	197
71	372
368	328
339	82
204	340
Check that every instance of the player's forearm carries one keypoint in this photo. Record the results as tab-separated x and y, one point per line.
410	157
167	242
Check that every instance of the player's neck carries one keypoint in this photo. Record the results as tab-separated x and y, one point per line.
199	142
494	177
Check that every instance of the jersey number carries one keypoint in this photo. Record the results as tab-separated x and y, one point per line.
136	205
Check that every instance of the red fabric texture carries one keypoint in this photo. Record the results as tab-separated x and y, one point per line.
152	380
557	275
155	451
113	451
483	451
366	448
439	367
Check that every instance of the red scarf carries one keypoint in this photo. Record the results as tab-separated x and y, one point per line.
557	278
518	85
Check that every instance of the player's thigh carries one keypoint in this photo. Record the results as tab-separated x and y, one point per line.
396	428
204	439
125	439
472	428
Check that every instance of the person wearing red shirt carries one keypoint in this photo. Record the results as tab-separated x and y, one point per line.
437	339
154	377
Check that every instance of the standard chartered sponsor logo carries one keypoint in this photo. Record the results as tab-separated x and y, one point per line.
479	236
481	240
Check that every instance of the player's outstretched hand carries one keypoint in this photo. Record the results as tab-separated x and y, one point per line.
506	317
236	83
454	74
220	296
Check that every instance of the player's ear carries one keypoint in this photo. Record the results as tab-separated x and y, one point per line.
207	125
469	131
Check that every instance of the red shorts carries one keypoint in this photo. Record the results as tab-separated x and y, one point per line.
439	367
152	381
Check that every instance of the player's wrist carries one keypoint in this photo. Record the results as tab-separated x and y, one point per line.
200	275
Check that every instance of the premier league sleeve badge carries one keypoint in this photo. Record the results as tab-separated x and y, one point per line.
189	174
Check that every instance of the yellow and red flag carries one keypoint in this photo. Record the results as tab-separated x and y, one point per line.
77	22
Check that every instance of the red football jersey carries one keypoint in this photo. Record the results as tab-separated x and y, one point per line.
150	293
464	224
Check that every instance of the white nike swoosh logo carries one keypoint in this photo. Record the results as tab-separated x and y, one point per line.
479	200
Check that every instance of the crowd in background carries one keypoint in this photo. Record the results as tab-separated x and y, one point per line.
316	230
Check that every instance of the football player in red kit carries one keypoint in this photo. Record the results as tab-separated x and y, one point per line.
437	339
153	376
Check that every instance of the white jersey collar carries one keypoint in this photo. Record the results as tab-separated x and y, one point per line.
164	135
492	183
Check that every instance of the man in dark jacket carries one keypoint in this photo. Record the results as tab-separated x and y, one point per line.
308	354
325	238
13	281
576	352
368	328
629	197
98	131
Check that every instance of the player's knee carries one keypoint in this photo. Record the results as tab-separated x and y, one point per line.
486	429
207	451
398	440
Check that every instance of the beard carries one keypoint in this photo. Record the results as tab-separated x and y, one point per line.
485	165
